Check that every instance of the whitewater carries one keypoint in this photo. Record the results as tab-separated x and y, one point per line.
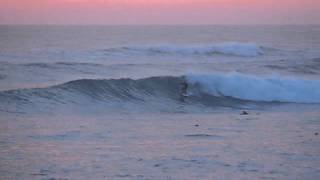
159	102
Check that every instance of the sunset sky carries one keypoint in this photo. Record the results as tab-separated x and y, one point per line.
159	12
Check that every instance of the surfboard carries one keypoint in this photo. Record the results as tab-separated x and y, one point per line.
185	94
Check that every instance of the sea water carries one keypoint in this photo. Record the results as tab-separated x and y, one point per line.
159	102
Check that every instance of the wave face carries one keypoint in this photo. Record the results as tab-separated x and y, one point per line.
228	48
269	89
165	93
155	93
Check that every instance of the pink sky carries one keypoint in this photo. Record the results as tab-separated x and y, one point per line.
159	11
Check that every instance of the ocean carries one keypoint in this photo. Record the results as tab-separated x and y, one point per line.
160	102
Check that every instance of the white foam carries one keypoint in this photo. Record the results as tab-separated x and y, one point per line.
228	48
249	87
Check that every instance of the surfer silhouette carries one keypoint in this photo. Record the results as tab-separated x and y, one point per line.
184	89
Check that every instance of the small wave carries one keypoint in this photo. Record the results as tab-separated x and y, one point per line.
307	66
228	48
77	64
39	65
253	88
56	64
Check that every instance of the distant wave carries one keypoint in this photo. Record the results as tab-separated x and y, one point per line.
228	48
225	90
308	66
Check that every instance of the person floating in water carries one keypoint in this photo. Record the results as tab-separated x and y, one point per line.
184	89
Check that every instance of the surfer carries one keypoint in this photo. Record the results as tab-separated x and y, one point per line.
184	89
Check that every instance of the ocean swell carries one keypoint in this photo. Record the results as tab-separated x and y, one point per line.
170	93
228	48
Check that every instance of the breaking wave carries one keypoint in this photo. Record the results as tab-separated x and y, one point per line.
228	48
253	88
228	90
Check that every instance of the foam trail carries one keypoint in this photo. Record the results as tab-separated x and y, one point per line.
253	88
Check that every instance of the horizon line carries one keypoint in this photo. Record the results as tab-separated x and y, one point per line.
249	24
